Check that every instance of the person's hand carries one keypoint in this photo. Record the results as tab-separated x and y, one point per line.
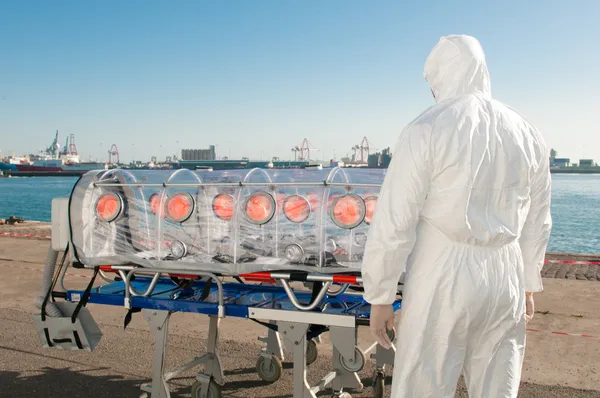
382	321
529	307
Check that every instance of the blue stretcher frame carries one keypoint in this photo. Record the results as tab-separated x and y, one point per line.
238	299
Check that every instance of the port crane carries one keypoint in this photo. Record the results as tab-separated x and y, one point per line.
113	154
69	148
304	150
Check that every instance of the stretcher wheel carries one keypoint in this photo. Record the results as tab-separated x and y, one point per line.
343	395
269	373
214	390
355	364
312	352
379	385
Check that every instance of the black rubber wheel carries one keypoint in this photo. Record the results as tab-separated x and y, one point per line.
379	385
214	390
312	352
270	373
357	363
344	395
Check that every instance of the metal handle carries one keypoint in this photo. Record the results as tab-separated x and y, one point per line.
129	290
132	290
296	303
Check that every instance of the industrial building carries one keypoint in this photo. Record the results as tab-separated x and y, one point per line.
380	160
199	154
560	162
586	163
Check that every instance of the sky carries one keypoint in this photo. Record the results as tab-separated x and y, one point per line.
256	77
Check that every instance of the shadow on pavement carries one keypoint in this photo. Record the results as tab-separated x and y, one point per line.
60	383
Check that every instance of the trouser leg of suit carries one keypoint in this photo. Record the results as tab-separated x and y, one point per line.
493	369
462	307
431	345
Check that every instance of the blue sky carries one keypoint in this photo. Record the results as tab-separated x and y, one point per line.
256	77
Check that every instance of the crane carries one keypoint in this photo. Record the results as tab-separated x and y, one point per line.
306	147
113	154
296	149
365	147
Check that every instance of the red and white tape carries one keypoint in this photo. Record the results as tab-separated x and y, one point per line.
563	333
14	235
575	262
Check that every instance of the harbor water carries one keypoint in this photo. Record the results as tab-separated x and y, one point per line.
575	206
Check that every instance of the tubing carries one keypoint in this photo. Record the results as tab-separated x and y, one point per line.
49	268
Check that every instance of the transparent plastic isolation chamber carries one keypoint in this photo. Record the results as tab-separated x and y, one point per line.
229	222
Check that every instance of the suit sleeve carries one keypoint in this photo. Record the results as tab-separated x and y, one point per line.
392	233
538	225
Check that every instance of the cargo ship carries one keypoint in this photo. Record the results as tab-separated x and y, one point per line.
59	165
53	161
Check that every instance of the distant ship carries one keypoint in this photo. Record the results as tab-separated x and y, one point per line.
53	160
59	165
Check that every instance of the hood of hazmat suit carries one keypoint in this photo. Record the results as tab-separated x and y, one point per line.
464	215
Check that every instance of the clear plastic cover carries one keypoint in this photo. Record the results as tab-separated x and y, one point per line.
229	222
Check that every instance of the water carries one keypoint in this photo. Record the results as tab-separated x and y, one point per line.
575	206
575	213
31	197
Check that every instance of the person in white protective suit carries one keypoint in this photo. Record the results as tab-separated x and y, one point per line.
464	214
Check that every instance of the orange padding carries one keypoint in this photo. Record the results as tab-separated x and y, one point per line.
107	206
259	207
347	210
296	208
223	206
179	206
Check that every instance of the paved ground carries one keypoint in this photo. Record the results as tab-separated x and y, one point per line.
123	359
590	272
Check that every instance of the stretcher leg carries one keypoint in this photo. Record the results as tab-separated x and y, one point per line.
208	383
294	335
347	360
159	324
213	362
211	358
273	343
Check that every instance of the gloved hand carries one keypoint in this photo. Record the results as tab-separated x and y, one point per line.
529	307
382	321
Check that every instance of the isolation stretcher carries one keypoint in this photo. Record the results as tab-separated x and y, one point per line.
223	244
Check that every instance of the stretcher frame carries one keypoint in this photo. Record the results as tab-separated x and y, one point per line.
347	360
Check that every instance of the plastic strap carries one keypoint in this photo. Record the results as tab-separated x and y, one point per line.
77	340
206	289
86	296
129	316
75	254
315	331
316	288
47	334
61	341
271	326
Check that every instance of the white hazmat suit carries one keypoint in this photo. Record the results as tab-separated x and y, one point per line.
464	212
